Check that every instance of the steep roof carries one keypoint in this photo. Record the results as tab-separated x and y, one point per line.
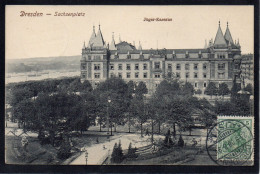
124	46
112	45
228	36
219	39
92	38
98	41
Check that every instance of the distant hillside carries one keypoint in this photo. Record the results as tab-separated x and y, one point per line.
43	63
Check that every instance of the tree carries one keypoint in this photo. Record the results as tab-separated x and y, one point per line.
138	110
198	91
131	151
130	87
19	94
141	89
211	89
249	88
188	89
117	154
24	112
235	88
117	90
223	89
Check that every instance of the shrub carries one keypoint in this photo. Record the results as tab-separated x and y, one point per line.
117	154
64	151
180	142
131	151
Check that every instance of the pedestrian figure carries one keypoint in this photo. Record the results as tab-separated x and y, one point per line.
97	140
147	132
104	147
24	142
194	142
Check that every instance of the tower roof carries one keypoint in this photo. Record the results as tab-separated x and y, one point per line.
219	39
92	38
112	45
227	35
99	41
96	40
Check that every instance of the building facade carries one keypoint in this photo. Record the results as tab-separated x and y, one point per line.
217	62
247	69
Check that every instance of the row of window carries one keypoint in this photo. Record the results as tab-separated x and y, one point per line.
187	66
145	75
221	66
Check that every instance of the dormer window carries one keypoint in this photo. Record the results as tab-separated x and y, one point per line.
128	55
173	54
200	55
187	54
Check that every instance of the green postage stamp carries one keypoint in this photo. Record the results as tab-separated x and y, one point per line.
235	139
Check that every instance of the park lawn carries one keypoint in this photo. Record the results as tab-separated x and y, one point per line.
36	153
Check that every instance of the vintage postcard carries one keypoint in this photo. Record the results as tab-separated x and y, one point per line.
129	85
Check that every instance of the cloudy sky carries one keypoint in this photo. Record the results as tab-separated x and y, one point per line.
51	35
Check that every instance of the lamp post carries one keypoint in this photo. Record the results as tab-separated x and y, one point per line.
108	101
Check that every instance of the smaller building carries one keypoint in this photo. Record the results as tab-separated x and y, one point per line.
247	68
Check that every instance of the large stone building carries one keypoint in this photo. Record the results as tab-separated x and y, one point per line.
218	62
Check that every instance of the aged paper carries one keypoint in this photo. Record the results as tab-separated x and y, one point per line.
129	85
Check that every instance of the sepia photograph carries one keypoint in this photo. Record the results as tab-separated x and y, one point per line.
129	85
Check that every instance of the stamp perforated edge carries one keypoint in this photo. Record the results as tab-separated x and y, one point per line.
253	128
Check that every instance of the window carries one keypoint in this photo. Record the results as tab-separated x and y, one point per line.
187	66
128	75
112	75
187	75
145	66
195	66
96	66
178	75
204	66
221	75
178	66
136	66
97	57
195	75
145	75
169	67
83	75
204	84
204	75
120	67
83	67
157	65
221	55
136	75
97	75
195	85
128	67
157	75
89	57
120	75
111	66
96	83
221	66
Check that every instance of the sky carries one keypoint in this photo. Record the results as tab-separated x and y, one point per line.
50	35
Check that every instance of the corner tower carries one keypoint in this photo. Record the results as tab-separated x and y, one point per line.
94	59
